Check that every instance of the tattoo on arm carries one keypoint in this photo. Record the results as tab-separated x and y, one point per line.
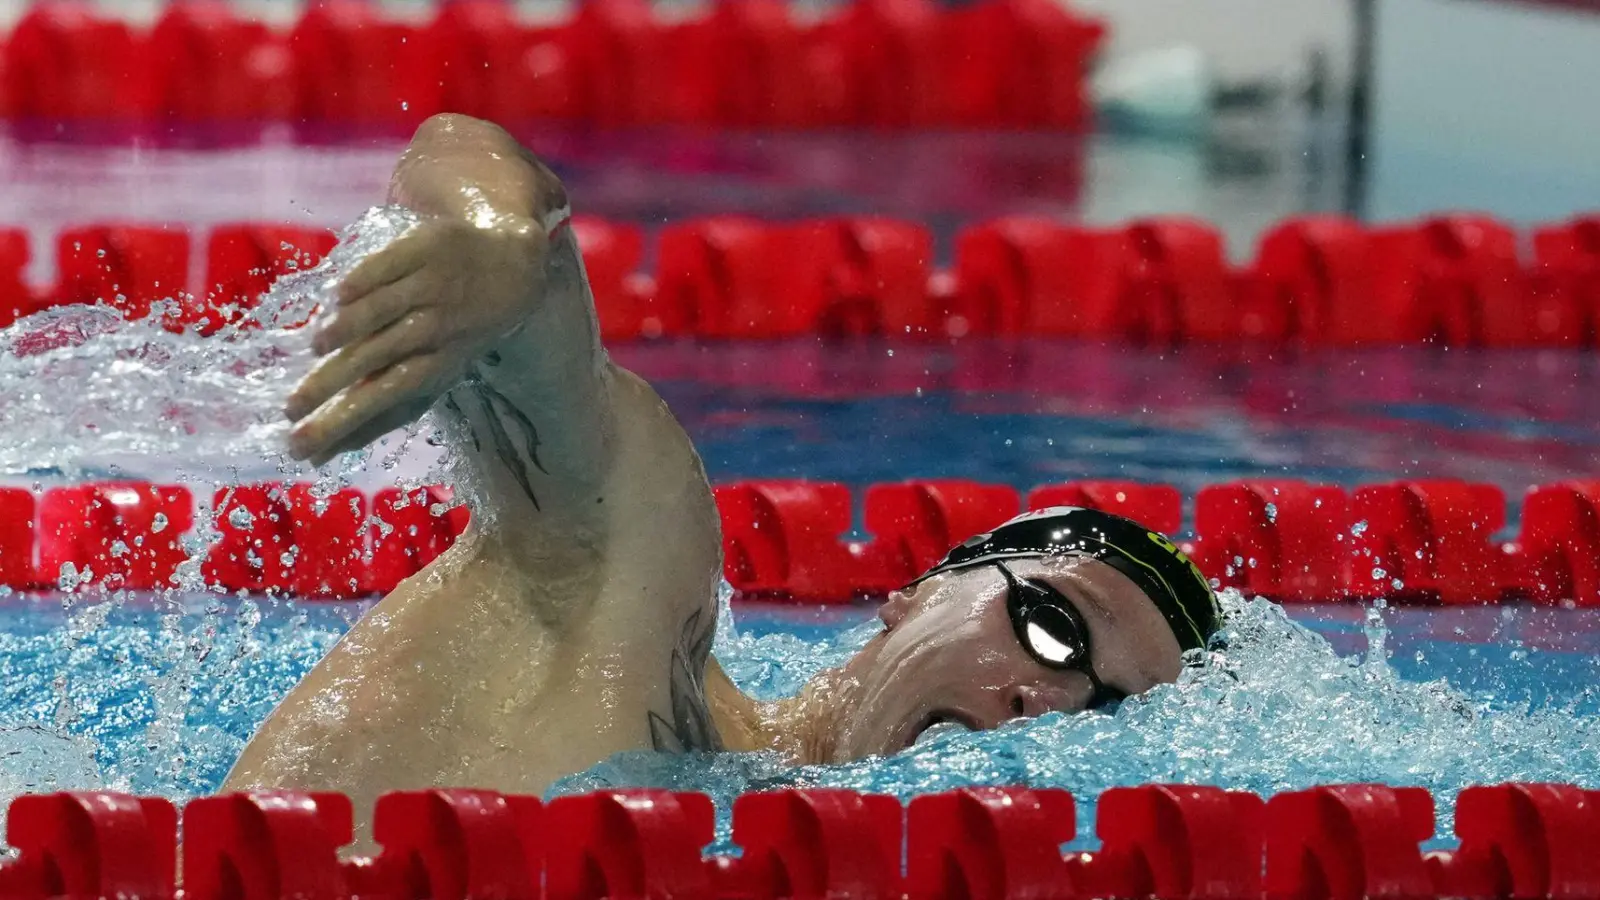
690	728
514	438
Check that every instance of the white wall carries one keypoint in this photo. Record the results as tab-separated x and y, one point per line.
1486	105
1242	38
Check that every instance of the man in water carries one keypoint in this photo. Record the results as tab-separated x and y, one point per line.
574	618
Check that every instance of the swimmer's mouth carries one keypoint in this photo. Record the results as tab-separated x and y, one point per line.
938	722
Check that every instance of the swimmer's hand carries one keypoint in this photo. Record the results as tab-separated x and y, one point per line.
408	322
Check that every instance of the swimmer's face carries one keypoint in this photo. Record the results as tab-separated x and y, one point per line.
949	652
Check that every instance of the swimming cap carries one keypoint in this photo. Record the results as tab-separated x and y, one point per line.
1149	559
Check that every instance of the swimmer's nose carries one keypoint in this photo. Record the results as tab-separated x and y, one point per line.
1026	701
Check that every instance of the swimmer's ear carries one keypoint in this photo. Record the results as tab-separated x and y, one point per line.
894	609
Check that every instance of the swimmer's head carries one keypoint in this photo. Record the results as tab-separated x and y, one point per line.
1062	609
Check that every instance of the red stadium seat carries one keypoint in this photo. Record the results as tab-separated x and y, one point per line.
129	267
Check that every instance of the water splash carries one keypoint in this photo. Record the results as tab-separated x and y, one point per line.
89	392
1271	708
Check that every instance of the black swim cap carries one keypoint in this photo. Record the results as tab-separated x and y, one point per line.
1149	559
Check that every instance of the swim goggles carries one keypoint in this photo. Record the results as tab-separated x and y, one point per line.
1053	632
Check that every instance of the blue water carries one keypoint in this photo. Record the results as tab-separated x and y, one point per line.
158	696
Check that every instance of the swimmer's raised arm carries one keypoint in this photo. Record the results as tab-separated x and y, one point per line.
484	308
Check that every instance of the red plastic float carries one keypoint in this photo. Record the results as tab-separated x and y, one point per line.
409	529
916	523
208	64
1348	842
1311	282
1019	64
353	66
1427	540
128	267
1453	280
16	537
783	539
242	261
813	844
284	539
642	843
857	276
1522	840
989	844
1569	255
624	300
118	534
1158	507
16	300
1177	842
453	843
1559	546
270	844
103	844
64	62
1287	540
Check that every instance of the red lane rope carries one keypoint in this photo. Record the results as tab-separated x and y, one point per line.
885	64
1416	541
1317	281
1331	842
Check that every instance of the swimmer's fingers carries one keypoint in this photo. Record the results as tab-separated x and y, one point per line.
406	254
416	334
351	321
397	389
385	422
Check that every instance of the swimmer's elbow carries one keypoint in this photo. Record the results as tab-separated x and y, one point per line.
454	160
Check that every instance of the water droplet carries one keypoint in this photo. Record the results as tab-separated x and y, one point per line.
158	523
1272	512
241	518
1359	528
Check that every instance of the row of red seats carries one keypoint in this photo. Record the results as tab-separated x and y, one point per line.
1166	842
876	63
1418	541
273	537
1454	280
1415	541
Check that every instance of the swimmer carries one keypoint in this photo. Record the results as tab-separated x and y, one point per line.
574	618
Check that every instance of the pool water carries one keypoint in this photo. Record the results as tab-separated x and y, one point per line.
157	694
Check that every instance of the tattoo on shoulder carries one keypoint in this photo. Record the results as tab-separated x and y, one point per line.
690	727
